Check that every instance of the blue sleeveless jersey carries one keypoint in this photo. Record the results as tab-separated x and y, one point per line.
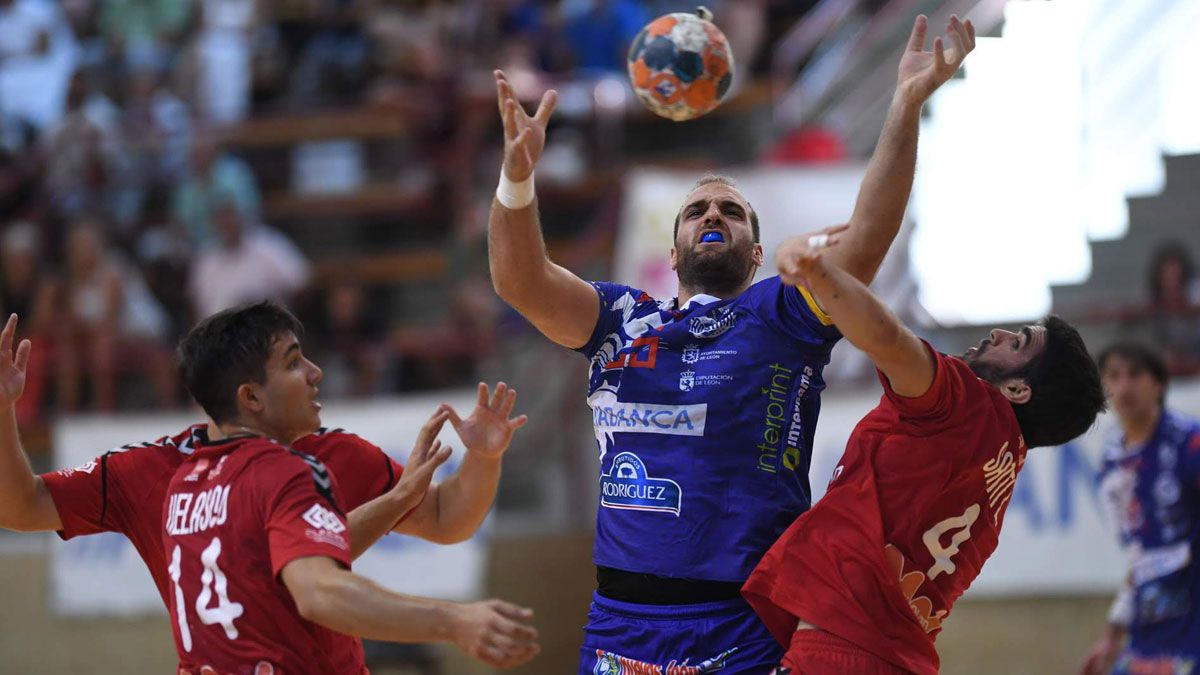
704	416
1154	494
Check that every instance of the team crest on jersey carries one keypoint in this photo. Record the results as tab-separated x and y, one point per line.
691	353
687	380
627	485
608	663
712	323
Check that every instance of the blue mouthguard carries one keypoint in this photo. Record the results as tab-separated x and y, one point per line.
712	236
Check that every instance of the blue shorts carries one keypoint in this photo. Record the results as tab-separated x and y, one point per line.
725	637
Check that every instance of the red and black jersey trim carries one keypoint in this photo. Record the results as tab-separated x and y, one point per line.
321	479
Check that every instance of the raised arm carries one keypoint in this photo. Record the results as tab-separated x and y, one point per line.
561	305
865	321
883	197
25	502
453	510
492	631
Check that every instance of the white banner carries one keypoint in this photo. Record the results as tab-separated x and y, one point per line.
103	575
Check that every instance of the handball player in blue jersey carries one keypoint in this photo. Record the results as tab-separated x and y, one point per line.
1150	479
704	405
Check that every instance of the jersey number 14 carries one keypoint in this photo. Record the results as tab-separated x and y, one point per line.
213	580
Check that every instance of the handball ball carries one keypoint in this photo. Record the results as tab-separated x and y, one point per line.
680	65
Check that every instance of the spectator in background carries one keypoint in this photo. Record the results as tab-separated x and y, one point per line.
109	320
211	172
333	67
37	57
24	291
157	128
142	33
600	32
349	338
1175	307
223	51
248	262
81	155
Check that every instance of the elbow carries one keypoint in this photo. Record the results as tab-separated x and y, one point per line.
450	536
313	601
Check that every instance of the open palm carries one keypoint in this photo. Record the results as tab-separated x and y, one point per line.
524	136
488	430
921	71
12	367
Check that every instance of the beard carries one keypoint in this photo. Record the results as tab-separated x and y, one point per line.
716	272
988	372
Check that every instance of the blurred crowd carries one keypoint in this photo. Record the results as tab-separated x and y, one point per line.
125	215
127	212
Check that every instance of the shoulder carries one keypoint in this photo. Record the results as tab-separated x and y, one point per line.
324	442
619	296
171	450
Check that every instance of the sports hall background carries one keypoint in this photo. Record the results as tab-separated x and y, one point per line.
352	146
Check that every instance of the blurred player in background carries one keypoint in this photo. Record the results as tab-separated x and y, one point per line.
1150	481
244	513
123	490
704	405
863	581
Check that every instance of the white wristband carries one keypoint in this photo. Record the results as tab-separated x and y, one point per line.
515	195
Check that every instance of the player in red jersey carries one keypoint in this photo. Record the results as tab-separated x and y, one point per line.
123	490
284	599
863	581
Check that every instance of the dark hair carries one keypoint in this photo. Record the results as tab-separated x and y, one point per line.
1066	390
1141	357
228	349
1169	251
723	180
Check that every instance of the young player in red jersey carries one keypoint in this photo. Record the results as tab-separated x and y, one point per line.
123	490
863	581
288	587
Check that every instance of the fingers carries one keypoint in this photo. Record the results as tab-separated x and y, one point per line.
455	420
970	34
481	395
433	426
6	337
939	52
511	611
509	115
836	229
546	108
510	402
498	397
23	357
958	35
439	456
518	422
916	41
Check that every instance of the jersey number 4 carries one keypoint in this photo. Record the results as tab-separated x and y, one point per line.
212	581
961	528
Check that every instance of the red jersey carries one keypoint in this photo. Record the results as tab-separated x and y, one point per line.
913	511
123	489
237	512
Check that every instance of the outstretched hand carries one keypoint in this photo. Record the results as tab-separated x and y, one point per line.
800	257
524	136
488	430
921	72
427	455
12	368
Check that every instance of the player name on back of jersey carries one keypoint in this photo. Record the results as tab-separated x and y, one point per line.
189	513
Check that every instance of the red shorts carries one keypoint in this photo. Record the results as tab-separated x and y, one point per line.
815	652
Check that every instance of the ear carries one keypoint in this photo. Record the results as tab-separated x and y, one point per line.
1016	390
674	259
249	398
758	255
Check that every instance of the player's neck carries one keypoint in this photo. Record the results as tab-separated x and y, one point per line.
1139	430
234	429
687	292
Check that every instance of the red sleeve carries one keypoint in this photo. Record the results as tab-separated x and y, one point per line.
944	395
303	518
362	469
85	497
